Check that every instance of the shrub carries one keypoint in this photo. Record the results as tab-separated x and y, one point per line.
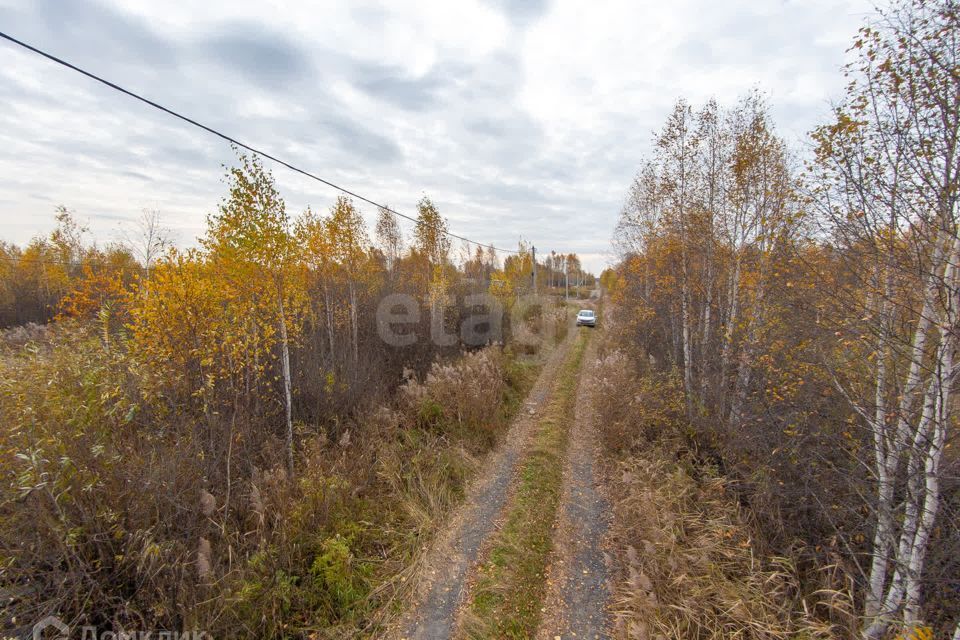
115	512
462	398
632	408
690	565
94	507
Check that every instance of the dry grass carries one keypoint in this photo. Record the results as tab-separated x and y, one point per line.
686	560
461	397
110	515
688	569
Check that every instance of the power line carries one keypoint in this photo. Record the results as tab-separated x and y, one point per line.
230	139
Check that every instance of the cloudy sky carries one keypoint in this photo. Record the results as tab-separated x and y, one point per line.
520	119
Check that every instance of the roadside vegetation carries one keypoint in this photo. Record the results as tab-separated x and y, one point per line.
690	562
257	437
221	439
805	325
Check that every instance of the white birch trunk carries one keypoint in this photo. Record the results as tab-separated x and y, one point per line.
733	314
354	324
883	535
924	450
288	400
705	331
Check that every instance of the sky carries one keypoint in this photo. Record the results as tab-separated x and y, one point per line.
519	119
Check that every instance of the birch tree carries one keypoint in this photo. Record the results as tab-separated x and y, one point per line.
317	254
348	241
676	147
431	239
713	158
389	237
759	195
888	166
249	244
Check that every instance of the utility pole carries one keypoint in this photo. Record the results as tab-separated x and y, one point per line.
566	279
534	270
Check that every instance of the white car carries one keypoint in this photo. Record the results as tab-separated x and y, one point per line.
586	318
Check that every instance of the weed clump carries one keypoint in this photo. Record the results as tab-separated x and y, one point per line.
460	399
688	564
114	513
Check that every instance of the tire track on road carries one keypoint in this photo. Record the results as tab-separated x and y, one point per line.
448	563
578	579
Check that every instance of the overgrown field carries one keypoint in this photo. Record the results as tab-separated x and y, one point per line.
107	516
248	438
689	560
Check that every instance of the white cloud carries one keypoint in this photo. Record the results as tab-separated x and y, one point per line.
519	119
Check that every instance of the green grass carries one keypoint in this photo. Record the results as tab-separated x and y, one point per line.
509	591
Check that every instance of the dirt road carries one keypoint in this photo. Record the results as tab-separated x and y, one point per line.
575	593
578	579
